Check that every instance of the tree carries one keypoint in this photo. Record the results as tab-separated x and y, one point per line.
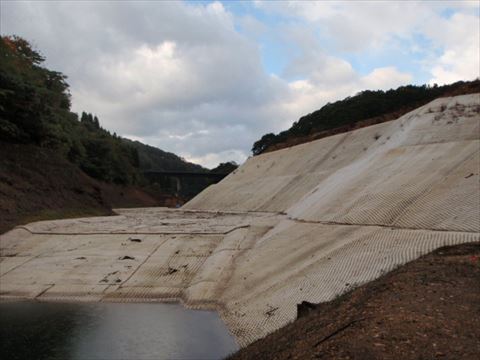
21	49
364	105
32	98
225	168
35	109
263	143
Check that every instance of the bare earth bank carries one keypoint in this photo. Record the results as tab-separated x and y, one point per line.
426	309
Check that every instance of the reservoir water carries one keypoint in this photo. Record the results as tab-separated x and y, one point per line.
35	330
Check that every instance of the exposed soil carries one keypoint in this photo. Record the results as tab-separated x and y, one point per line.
38	184
427	309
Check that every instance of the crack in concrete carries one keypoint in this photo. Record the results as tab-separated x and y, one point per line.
44	290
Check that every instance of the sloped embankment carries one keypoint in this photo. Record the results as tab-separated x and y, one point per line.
307	223
37	184
429	308
356	205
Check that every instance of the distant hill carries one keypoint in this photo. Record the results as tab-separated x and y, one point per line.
364	109
154	159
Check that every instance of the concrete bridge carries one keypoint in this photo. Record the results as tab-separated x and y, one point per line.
178	179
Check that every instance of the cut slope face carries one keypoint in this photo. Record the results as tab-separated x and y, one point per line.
301	224
419	171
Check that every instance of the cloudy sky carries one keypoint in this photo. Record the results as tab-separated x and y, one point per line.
206	79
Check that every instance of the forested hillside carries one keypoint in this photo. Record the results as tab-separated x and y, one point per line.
55	163
153	159
365	108
35	109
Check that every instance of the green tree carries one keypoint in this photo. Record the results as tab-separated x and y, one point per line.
35	108
262	144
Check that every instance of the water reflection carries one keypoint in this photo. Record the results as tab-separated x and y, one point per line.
32	330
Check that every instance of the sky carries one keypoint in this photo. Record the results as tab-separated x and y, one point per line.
205	79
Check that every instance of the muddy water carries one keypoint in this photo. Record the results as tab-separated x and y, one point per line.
32	330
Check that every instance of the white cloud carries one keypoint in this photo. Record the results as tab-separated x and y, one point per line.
385	78
372	26
460	59
213	159
180	76
311	94
175	75
356	25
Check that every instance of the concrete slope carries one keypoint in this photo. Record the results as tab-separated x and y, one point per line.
412	172
304	223
422	174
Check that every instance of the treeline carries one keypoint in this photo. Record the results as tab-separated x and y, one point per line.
154	159
363	106
35	109
225	168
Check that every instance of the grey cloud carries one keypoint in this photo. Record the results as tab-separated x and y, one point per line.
179	75
212	84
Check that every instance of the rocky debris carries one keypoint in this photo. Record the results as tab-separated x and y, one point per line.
304	308
271	310
171	270
107	280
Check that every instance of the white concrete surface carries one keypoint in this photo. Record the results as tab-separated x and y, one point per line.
303	223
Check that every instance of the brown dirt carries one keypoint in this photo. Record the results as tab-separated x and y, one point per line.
427	309
38	184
